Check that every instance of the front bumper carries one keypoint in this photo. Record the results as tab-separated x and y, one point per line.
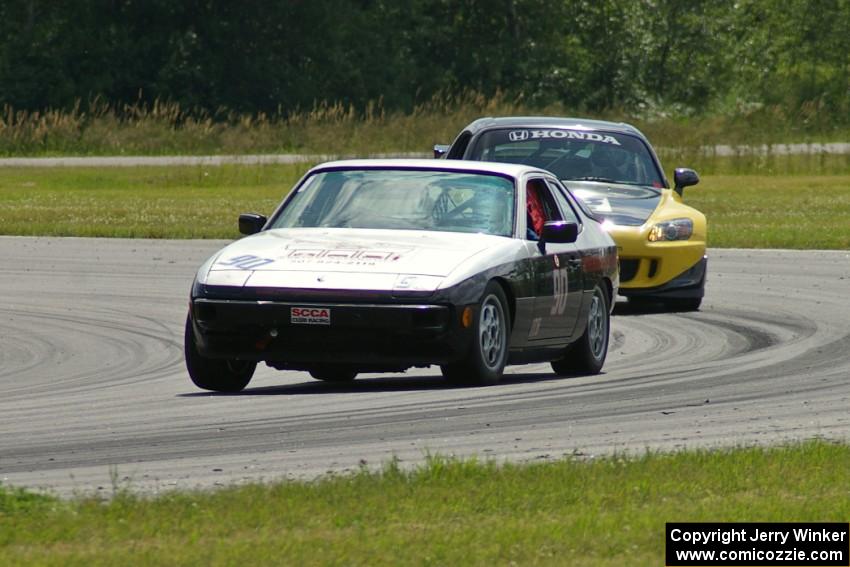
372	337
689	284
650	265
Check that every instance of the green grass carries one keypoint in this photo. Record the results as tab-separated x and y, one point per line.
744	211
755	164
751	211
145	202
608	511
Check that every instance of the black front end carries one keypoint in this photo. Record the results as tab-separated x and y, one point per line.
379	335
687	285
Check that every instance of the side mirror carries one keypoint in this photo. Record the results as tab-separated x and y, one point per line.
560	232
251	223
684	177
440	150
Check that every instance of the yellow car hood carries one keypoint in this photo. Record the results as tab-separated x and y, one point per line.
624	205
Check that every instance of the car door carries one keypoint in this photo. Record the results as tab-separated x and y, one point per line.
557	269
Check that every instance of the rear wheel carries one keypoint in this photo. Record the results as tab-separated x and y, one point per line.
333	373
218	375
486	360
587	355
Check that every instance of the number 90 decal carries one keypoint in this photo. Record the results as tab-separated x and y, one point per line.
561	286
246	262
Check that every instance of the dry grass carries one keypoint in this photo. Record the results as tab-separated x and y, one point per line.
165	128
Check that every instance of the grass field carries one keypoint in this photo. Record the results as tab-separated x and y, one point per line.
753	211
145	202
608	511
744	210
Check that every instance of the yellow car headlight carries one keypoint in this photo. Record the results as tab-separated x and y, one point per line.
676	229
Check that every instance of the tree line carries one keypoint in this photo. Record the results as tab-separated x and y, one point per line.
681	56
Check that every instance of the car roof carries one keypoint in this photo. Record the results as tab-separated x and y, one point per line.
552	122
508	169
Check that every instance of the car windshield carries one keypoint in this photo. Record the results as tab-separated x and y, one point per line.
573	154
403	199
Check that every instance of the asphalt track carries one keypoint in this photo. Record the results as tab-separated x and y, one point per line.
95	395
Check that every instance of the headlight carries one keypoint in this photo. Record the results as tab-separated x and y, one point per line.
676	229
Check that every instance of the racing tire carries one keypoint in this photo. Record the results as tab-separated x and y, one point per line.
333	373
643	302
488	354
587	355
683	304
667	304
218	375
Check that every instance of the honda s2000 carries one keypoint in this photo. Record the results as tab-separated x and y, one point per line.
612	168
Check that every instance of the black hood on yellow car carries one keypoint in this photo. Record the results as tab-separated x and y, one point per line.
626	205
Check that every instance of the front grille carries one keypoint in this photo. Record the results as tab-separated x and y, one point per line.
251	317
628	269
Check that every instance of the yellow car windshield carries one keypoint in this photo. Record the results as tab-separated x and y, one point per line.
573	154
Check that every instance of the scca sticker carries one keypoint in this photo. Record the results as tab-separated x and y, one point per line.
523	135
310	315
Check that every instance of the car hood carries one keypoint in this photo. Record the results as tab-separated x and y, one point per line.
627	205
334	258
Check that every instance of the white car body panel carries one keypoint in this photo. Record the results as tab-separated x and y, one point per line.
346	258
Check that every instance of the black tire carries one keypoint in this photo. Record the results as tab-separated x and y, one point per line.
333	373
683	304
643	301
488	354
587	355
218	375
668	304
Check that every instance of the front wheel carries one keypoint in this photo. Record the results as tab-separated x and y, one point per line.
587	355
218	375
683	304
666	304
486	360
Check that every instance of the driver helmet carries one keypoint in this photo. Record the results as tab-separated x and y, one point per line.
606	156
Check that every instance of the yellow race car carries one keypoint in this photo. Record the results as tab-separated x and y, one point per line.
613	169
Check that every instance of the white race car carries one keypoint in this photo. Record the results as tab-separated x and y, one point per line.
381	265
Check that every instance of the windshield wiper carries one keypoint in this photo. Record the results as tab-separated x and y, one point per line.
594	178
609	180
